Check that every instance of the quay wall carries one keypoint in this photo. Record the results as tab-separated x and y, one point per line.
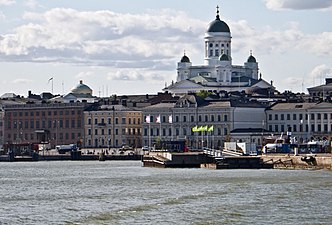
282	161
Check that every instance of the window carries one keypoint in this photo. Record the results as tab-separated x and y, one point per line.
325	116
276	117
294	116
212	118
225	118
270	116
206	118
123	120
217	52
282	117
192	119
276	128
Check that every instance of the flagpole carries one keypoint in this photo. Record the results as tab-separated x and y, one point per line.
160	127
149	134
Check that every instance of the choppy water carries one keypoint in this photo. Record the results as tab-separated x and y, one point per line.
122	192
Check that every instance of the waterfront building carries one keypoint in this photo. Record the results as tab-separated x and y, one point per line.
303	121
57	124
218	73
1	127
112	126
217	118
321	92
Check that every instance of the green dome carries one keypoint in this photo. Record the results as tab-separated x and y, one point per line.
218	26
185	59
224	57
81	89
251	59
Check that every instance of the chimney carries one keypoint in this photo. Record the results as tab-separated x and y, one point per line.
328	81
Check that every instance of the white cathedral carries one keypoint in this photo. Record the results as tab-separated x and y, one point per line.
217	73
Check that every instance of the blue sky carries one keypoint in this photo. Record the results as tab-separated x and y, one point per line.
132	47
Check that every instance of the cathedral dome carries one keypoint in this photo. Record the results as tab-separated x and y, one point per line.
224	57
218	25
81	89
185	59
251	59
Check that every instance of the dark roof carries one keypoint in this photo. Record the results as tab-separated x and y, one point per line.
251	59
218	26
185	59
224	57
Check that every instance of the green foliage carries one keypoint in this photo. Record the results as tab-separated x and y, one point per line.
203	94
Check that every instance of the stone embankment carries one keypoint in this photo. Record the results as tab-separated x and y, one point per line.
307	161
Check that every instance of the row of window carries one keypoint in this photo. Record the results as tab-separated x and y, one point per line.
116	121
128	131
192	118
301	128
37	124
33	136
185	131
44	113
289	116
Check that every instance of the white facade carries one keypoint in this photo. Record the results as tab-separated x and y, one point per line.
305	121
217	71
190	111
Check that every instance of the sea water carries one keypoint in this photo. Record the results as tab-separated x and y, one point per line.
124	192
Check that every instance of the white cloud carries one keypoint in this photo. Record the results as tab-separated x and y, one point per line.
132	75
2	16
102	37
83	75
21	81
136	75
298	4
321	72
7	2
32	4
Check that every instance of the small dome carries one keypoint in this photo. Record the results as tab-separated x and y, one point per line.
81	89
218	25
251	59
185	59
224	57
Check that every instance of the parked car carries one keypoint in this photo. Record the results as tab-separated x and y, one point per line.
145	148
126	148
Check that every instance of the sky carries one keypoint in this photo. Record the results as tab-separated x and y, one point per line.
132	47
